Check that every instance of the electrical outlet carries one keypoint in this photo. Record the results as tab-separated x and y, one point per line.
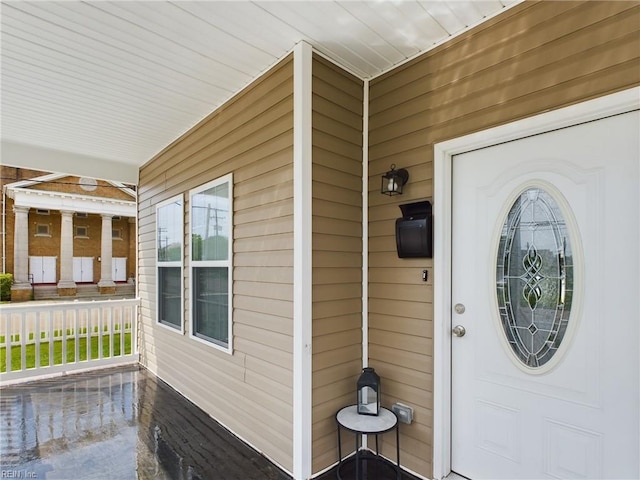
403	412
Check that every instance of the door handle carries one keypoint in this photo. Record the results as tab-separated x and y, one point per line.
459	331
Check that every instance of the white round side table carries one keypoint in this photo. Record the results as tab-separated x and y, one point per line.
349	419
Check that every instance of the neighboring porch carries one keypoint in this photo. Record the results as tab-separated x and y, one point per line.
67	231
122	423
84	292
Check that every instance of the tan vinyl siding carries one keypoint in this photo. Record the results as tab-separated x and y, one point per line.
249	391
337	250
532	58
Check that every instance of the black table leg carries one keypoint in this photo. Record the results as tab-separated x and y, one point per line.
357	457
397	452
339	454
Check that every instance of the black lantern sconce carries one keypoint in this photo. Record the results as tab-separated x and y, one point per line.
393	181
368	392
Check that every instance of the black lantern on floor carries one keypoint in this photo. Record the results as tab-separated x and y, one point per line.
393	181
368	392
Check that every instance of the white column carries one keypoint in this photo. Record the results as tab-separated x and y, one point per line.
66	251
21	248
302	266
106	253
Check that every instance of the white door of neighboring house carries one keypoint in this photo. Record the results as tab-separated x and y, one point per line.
82	269
43	269
119	269
545	233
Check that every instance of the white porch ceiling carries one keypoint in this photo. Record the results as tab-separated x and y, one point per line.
98	88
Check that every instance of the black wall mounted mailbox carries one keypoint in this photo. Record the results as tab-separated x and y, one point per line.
414	231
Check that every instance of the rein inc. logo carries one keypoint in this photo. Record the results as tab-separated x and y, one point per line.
18	474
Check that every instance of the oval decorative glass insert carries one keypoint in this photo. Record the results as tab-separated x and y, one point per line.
534	277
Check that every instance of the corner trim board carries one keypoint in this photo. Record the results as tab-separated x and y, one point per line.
302	254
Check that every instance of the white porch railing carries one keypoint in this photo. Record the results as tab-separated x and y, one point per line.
41	340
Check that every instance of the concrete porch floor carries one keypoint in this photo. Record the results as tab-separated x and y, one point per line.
121	423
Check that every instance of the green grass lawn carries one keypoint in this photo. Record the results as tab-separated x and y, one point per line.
16	352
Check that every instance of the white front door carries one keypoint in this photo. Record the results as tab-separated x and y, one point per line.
119	269
545	233
43	269
82	269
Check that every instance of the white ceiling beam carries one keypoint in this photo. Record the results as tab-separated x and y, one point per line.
38	158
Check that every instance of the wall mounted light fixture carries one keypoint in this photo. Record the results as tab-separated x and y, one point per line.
393	181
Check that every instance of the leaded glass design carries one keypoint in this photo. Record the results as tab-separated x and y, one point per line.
534	277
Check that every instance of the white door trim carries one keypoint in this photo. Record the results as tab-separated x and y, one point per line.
608	105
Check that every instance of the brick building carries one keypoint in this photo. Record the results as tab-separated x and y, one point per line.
68	231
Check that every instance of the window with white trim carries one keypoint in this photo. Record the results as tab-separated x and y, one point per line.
116	233
42	211
82	232
169	255
42	230
211	233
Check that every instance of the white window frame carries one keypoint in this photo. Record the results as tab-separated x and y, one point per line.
43	211
43	234
160	264
119	234
77	235
228	348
